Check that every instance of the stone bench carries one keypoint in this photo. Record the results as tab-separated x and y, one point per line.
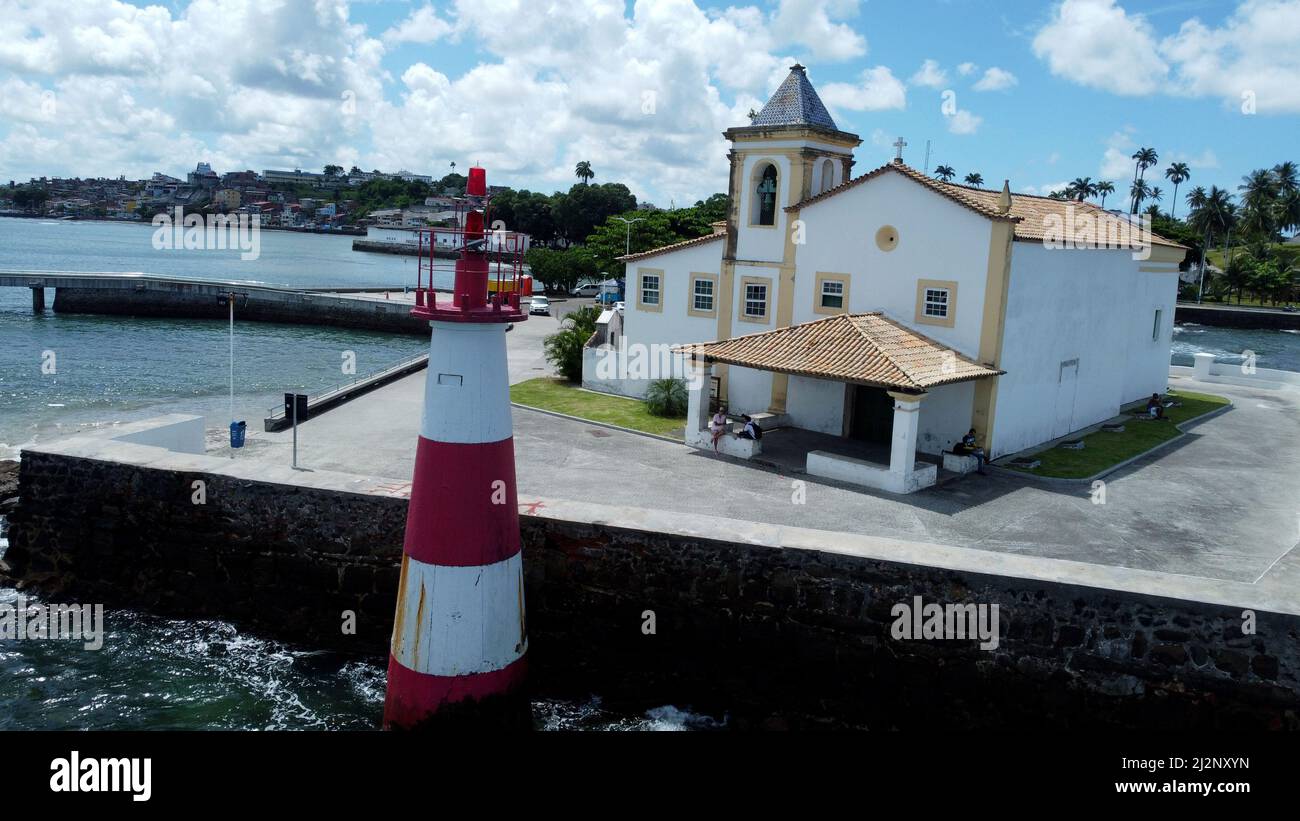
960	463
869	474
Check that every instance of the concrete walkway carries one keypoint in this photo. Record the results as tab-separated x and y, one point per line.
1222	503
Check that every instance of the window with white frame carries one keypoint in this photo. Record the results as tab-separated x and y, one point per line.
936	303
703	295
832	293
649	289
755	300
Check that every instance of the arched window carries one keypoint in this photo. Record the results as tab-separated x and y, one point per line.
828	177
765	197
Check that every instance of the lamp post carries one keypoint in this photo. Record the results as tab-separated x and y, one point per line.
627	247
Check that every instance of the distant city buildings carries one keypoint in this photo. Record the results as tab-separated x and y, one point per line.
273	195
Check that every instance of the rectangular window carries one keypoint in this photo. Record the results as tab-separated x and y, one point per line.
756	300
704	295
649	289
936	303
1155	327
832	294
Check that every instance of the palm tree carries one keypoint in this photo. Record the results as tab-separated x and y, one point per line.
1212	213
1103	188
1139	192
1155	195
1081	188
583	172
1288	188
1259	202
945	172
1177	173
1145	158
975	179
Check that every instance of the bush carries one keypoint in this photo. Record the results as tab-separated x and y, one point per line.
667	397
564	347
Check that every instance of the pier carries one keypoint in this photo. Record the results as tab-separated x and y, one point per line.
154	295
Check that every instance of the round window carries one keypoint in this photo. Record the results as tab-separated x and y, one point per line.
887	238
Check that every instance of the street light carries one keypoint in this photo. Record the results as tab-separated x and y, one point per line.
627	248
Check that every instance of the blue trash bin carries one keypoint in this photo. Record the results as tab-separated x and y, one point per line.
237	434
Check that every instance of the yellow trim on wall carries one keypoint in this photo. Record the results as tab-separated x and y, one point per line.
766	282
641	274
993	330
823	276
922	285
691	310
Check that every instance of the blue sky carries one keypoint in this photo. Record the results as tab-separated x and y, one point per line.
1039	93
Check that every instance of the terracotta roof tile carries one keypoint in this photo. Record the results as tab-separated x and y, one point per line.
864	349
676	246
1029	212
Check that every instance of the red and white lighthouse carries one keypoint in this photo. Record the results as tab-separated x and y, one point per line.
459	635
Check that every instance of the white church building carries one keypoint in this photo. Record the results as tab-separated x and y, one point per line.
896	310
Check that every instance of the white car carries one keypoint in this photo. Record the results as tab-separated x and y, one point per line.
589	289
620	306
540	305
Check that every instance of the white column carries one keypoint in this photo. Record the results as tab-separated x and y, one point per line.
907	416
697	408
1202	363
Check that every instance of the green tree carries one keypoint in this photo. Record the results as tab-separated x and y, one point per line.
1143	158
1177	173
975	179
1104	188
945	172
563	349
585	206
1081	188
583	172
667	397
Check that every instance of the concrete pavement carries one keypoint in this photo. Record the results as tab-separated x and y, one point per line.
1222	503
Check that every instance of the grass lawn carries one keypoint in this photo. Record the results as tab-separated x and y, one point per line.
565	397
1102	450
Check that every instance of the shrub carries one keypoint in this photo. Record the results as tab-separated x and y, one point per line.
667	397
564	347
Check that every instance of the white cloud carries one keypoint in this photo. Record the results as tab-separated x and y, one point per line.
1042	190
1256	51
1096	43
809	23
964	122
1117	162
967	69
421	26
257	84
878	90
931	75
996	79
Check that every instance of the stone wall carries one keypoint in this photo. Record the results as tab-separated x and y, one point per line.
773	636
261	305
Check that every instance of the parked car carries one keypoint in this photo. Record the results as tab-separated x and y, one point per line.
620	306
586	289
540	305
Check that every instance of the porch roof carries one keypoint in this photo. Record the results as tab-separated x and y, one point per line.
862	349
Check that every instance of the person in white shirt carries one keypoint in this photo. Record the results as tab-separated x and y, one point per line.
718	426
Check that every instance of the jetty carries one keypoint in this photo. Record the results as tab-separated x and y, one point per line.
154	295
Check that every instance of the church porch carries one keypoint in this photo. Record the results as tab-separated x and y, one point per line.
888	372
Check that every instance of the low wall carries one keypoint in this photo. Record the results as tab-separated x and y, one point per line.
777	627
200	302
1226	317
